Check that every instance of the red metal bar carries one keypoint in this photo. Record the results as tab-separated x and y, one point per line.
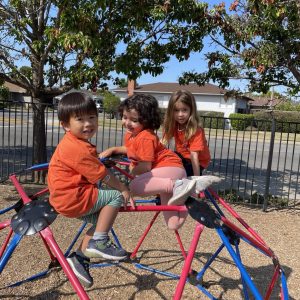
48	236
133	254
265	249
19	188
6	241
188	261
272	283
40	193
153	208
4	224
181	247
180	244
123	172
236	215
52	257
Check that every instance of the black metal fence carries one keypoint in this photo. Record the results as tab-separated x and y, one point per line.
259	164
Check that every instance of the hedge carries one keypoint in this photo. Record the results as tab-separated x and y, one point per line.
212	119
285	121
241	121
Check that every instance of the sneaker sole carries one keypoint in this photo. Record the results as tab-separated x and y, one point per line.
96	254
203	182
181	198
79	276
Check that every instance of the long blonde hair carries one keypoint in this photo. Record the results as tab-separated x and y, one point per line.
170	125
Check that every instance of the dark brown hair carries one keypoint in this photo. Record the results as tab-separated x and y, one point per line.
75	103
147	108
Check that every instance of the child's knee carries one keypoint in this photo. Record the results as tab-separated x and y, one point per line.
117	201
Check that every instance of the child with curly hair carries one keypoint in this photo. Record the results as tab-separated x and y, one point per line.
156	169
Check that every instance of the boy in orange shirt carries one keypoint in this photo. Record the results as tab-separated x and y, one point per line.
73	176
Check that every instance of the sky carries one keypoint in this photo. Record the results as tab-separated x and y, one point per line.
196	62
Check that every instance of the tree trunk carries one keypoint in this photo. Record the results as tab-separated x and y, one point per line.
39	141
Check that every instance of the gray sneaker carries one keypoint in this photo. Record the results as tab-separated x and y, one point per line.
105	249
183	188
203	182
80	267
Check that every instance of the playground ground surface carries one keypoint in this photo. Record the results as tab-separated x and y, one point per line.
279	229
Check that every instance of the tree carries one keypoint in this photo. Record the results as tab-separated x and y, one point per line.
69	44
122	83
4	93
110	103
259	41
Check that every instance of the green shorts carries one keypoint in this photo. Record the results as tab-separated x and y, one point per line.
105	197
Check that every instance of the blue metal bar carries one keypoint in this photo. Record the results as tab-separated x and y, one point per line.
144	267
4	210
116	238
245	291
9	250
75	239
102	265
38	167
207	193
238	263
209	262
33	277
206	292
284	286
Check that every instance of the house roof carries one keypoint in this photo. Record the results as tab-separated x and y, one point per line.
13	88
170	87
264	101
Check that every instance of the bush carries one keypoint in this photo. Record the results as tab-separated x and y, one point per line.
4	93
230	195
285	121
212	119
241	121
110	104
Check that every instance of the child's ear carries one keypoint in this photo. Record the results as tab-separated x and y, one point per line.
65	126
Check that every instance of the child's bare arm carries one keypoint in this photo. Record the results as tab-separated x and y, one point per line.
113	150
195	163
141	168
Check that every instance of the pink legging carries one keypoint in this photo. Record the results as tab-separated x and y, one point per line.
161	181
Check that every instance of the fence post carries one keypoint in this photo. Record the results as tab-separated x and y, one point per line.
269	167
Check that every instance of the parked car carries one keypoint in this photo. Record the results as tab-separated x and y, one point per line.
99	103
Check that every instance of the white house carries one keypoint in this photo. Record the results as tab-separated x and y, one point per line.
208	97
17	93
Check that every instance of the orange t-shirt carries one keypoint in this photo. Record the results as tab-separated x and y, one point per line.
74	171
197	143
145	146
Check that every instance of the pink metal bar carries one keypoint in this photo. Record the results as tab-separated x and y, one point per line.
272	283
4	224
133	254
52	257
40	192
265	249
6	241
153	208
188	261
180	244
236	215
48	236
181	247
123	172
20	189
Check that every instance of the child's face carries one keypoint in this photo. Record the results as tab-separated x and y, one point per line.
83	127
130	121
182	113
